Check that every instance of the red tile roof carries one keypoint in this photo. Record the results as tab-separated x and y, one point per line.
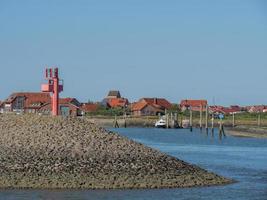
89	107
32	99
193	103
117	102
158	102
139	105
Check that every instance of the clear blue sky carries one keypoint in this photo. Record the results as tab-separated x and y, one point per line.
144	48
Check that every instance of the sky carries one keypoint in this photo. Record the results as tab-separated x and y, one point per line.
175	49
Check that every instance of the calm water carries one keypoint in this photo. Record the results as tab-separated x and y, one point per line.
243	159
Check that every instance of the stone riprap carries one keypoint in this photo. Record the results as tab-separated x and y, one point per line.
55	152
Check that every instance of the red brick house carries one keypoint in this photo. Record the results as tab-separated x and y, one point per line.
29	102
150	106
39	102
225	110
195	105
67	107
118	102
114	100
89	107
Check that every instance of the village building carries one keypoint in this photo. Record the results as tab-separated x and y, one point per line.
225	110
39	102
113	94
150	106
194	105
89	108
29	102
67	107
114	100
256	108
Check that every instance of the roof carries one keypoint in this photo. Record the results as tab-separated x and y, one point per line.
193	103
32	99
89	107
117	102
158	102
139	105
114	93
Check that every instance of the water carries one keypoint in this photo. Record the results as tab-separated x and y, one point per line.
243	159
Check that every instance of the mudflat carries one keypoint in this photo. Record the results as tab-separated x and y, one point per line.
55	152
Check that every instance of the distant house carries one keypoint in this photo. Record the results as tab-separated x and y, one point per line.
114	100
39	102
195	105
256	108
225	110
113	94
150	106
29	102
67	107
89	107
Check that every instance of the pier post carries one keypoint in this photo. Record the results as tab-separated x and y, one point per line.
125	124
207	119
200	118
116	124
259	120
191	120
212	125
233	119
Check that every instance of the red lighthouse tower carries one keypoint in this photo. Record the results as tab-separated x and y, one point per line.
53	86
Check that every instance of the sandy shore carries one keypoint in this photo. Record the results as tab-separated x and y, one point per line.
47	152
245	131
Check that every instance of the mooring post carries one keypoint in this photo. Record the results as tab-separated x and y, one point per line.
233	119
191	119
115	125
212	125
207	119
259	120
125	124
200	120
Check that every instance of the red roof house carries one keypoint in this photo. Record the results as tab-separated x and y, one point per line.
195	105
150	106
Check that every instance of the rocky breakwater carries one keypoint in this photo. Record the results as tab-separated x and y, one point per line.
52	152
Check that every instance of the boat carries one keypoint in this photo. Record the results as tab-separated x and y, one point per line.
161	123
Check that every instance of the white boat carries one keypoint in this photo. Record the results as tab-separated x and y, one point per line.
161	123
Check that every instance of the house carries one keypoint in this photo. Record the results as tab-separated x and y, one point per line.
114	100
150	106
195	105
89	107
29	102
113	94
39	102
67	107
225	110
256	108
118	102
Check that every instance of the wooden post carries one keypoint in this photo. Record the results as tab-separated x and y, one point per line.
207	119
125	124
191	120
167	120
212	125
172	121
233	119
200	118
221	132
259	120
115	124
175	120
181	123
